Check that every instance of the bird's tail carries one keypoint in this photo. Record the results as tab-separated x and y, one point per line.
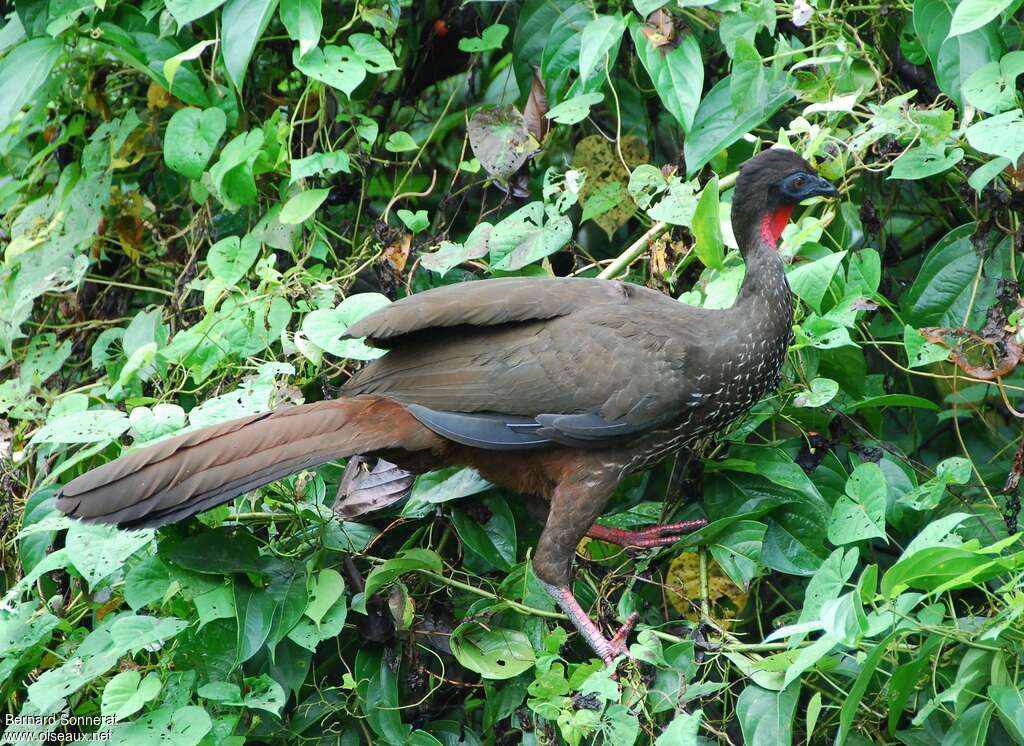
193	472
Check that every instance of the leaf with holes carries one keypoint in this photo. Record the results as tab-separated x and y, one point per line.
1001	135
526	236
500	140
338	67
860	513
494	653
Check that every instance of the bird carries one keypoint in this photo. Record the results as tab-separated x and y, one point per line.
554	388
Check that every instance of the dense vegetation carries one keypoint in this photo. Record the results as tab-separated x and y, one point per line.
198	196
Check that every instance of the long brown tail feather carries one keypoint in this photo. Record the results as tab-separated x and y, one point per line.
196	471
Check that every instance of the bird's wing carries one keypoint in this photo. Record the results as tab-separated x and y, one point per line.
584	378
486	303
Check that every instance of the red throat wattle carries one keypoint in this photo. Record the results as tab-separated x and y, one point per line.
773	223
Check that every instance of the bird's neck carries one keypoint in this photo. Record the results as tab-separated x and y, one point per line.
765	290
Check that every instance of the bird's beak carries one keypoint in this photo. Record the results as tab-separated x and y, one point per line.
820	187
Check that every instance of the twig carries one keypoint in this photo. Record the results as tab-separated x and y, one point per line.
403	195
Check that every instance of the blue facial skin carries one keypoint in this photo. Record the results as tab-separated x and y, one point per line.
800	186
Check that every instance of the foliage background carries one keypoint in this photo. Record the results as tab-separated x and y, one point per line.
198	196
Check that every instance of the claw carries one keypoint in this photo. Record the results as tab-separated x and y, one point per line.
663	535
607	650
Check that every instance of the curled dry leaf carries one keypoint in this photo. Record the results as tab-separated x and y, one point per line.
365	490
536	107
986	357
659	29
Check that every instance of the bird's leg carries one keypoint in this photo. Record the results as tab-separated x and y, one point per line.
576	502
662	535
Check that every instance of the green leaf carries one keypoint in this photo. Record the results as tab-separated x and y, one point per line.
242	24
1002	135
338	67
575	109
94	426
448	484
597	40
1010	706
130	632
406	561
492	38
607	197
709	245
217	551
924	161
375	56
993	87
146	583
414	221
254	610
318	164
678	202
820	393
682	731
326	591
953	58
766	717
894	400
301	207
494	652
326	327
494	540
973	14
98	551
737	550
526	236
190	138
719	122
303	21
185	726
677	73
230	258
400	142
127	692
921	352
216	604
450	254
985	173
231	177
852	702
810	280
943	288
860	514
186	11
23	72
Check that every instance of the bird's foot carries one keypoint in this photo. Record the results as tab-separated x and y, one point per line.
663	535
607	649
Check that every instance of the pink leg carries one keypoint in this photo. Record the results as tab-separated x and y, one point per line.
608	650
663	535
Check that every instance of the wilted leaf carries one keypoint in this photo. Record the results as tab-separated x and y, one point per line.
500	140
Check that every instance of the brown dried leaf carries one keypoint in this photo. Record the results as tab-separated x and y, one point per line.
365	491
598	158
659	29
987	357
536	107
157	97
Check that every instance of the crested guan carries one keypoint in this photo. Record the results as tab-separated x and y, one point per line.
553	387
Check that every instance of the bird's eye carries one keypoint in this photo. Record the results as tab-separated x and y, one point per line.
798	182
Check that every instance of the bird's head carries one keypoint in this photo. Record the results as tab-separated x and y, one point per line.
769	186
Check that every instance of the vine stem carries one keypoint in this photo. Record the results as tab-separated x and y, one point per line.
638	247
